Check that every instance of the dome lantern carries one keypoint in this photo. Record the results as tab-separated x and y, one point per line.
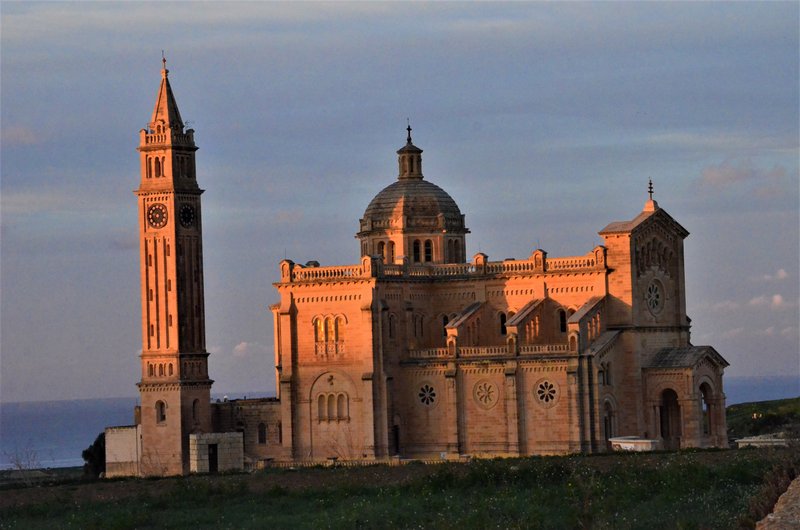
413	218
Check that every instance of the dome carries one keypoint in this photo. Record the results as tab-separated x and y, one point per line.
418	201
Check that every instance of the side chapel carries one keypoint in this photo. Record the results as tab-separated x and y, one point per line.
417	350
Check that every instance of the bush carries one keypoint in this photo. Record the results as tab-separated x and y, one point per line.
94	457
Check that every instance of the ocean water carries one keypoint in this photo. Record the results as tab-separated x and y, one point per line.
56	432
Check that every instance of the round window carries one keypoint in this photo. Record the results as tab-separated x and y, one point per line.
546	392
654	297
427	394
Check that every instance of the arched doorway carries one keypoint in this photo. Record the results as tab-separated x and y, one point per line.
670	413
706	416
608	423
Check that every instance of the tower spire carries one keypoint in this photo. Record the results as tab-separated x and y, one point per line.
166	111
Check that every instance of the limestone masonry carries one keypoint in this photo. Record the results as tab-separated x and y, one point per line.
417	350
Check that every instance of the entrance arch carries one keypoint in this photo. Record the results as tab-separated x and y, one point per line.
670	425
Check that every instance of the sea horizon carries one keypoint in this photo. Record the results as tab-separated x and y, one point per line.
53	433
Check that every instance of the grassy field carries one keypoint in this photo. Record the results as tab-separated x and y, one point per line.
694	489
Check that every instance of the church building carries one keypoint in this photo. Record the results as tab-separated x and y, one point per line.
418	350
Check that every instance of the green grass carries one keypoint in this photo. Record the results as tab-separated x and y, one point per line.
697	489
764	417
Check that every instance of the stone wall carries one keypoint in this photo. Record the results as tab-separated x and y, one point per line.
122	451
230	455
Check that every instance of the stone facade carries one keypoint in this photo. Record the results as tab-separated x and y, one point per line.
416	351
215	452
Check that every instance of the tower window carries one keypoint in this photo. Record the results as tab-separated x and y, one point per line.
391	252
417	253
445	321
196	409
428	250
503	323
382	250
161	412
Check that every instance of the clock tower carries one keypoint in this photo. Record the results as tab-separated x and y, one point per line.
175	390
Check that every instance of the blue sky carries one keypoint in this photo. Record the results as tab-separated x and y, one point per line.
544	121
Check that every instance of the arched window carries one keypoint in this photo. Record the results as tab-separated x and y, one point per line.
503	323
445	321
459	255
391	252
382	250
416	251
195	410
330	330
322	414
149	167
262	433
150	370
280	433
339	329
331	407
161	370
428	250
341	407
451	253
161	412
158	167
170	366
319	330
562	321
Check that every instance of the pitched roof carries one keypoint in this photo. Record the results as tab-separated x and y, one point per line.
685	357
651	212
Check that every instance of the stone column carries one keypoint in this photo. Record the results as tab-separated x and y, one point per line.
510	393
453	410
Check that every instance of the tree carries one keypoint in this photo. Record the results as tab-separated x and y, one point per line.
94	457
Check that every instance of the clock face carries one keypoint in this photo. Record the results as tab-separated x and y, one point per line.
157	215
187	215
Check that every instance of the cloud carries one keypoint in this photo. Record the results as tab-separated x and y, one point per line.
781	274
732	333
789	332
246	349
775	301
725	305
16	135
729	173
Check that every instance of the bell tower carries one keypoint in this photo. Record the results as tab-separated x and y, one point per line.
175	390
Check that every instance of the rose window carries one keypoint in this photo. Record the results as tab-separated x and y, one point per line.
654	298
485	394
427	395
546	392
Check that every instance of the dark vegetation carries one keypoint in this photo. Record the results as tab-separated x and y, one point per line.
94	457
764	417
687	489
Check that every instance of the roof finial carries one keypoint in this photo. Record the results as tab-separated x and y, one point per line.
164	70
408	122
650	188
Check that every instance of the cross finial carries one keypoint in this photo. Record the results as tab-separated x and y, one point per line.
408	122
163	60
650	188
